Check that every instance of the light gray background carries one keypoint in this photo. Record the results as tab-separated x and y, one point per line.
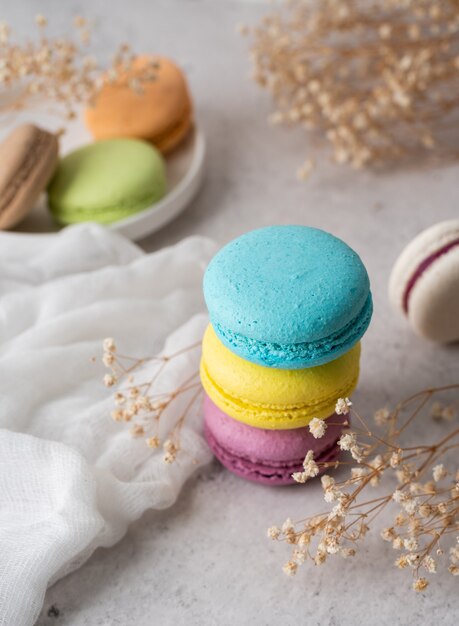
206	561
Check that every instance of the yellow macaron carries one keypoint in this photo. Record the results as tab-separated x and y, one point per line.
266	397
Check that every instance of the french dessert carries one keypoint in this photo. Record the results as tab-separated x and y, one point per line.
267	397
107	181
266	456
288	306
288	296
28	157
160	111
424	284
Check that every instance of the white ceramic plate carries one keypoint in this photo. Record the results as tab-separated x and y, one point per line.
184	169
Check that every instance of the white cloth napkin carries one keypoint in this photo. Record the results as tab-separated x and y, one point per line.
70	478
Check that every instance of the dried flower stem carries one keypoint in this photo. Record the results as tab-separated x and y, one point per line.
428	511
60	70
139	403
378	80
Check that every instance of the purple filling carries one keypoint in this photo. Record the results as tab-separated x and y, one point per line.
422	268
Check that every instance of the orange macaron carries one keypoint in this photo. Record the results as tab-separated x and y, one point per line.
161	112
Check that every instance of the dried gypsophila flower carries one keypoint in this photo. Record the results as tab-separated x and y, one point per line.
342	406
110	380
317	427
420	584
331	493
439	472
377	80
60	71
347	441
139	403
109	345
428	510
382	416
440	411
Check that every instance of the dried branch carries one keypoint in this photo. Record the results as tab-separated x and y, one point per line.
426	525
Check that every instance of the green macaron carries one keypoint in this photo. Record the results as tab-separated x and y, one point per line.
107	181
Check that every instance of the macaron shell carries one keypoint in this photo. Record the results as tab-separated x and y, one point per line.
288	296
168	141
298	355
275	447
434	300
264	473
107	181
420	248
274	398
161	114
286	284
267	456
29	157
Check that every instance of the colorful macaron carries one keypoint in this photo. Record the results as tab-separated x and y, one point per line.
107	181
28	157
288	297
159	111
424	284
271	398
267	456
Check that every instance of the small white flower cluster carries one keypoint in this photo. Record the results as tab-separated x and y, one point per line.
395	459
348	442
171	450
274	532
343	406
108	360
441	411
331	492
377	465
317	427
310	469
358	474
439	472
382	416
407	502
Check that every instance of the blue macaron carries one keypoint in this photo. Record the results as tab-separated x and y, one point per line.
288	296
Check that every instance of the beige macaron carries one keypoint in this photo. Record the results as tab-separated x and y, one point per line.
424	284
28	159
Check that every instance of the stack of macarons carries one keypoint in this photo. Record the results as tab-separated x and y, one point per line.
123	171
288	306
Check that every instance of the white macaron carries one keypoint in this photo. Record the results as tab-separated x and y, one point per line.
424	282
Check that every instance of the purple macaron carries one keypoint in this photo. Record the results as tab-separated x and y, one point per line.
264	456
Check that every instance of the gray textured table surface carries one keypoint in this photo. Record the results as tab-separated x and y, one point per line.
206	561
